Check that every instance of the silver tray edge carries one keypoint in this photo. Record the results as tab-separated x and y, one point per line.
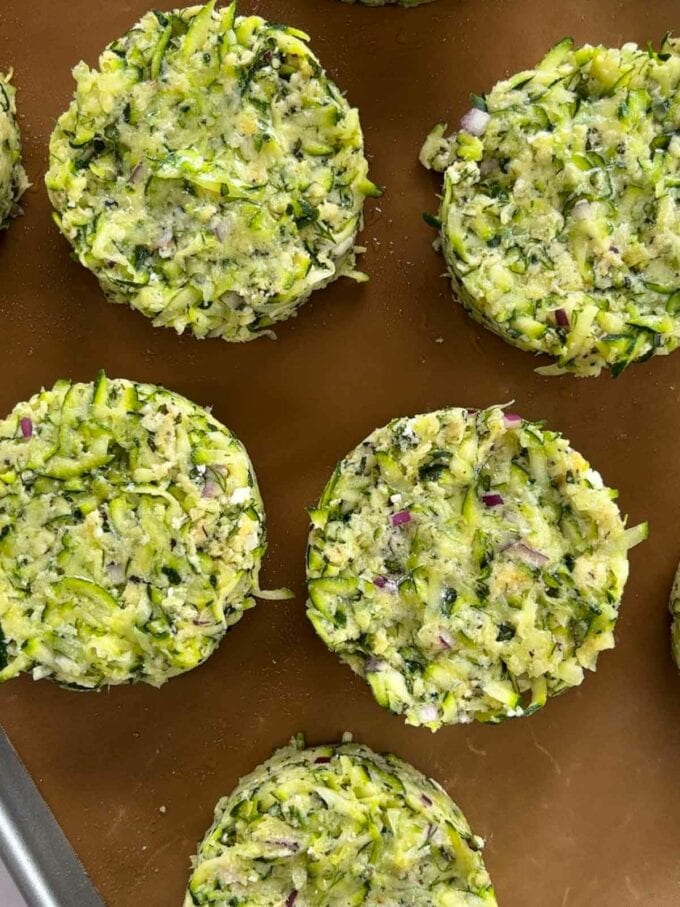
33	847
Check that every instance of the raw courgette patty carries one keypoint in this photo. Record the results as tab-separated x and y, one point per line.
209	172
560	218
336	826
675	613
13	180
131	534
467	565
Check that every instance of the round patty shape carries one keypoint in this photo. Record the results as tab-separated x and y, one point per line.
467	564
339	826
561	209
131	534
209	173
13	181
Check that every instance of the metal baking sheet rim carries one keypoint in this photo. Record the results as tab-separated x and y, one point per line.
33	847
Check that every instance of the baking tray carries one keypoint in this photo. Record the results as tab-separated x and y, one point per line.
580	804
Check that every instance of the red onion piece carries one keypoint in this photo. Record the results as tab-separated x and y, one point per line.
446	643
561	318
137	172
322	760
384	582
292	897
220	230
164	239
426	800
475	121
512	420
26	428
210	489
398	519
528	555
492	500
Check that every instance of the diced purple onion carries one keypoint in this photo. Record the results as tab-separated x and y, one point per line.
492	500
292	897
512	420
164	239
26	428
561	318
426	800
220	230
475	121
384	582
322	760
210	489
137	172
446	643
528	555
398	519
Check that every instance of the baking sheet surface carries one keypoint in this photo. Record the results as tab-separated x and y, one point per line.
580	804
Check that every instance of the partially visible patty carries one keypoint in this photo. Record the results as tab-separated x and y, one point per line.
336	826
131	534
560	218
13	180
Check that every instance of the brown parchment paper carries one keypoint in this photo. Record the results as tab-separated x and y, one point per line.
580	804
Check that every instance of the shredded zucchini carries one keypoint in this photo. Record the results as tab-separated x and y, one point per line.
13	181
209	172
337	826
467	564
560	218
675	614
131	534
